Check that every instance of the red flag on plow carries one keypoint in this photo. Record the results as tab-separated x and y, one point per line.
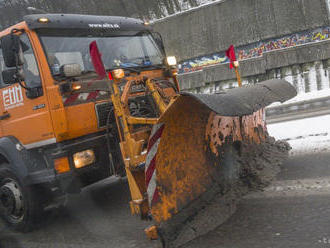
230	53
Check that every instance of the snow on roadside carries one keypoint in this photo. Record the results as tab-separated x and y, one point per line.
304	97
308	135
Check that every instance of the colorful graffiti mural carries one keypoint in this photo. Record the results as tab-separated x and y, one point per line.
257	49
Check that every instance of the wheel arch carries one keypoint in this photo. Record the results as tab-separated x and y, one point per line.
14	155
3	159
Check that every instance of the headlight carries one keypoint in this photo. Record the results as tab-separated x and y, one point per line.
118	73
171	60
76	86
84	158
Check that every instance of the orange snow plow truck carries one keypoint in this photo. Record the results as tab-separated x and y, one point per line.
87	97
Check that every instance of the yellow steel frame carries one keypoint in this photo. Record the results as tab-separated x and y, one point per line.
131	149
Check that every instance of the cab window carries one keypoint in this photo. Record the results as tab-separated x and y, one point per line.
30	67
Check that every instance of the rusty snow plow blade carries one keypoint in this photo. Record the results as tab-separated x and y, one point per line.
205	152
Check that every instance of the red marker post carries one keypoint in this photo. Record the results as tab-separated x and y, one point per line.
230	53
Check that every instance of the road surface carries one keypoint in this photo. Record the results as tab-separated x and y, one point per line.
293	212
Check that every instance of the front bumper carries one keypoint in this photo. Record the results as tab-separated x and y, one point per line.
75	179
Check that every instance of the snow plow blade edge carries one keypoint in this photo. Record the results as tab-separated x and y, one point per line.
204	147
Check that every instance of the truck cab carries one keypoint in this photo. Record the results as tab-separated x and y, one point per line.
58	128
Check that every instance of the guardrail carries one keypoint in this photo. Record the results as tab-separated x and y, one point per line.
298	110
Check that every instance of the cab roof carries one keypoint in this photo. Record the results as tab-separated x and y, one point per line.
90	22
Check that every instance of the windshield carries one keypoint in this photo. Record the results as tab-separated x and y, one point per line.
119	51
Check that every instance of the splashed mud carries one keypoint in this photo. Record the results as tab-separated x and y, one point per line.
249	167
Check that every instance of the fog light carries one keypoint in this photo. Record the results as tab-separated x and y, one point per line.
84	158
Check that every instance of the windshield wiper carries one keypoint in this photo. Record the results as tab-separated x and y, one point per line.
132	69
87	72
157	66
142	60
139	68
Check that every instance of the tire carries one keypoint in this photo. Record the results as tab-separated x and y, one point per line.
19	204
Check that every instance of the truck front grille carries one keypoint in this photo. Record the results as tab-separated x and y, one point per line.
102	112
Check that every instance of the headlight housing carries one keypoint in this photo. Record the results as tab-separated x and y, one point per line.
171	61
118	73
83	158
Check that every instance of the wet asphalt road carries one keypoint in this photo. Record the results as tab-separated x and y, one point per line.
100	217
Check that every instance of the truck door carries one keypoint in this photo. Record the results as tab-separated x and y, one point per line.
24	116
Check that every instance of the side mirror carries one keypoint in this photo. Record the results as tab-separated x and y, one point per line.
12	50
11	76
70	70
159	40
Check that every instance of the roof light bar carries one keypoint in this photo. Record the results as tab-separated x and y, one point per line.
43	20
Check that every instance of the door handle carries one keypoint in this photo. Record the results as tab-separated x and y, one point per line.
5	116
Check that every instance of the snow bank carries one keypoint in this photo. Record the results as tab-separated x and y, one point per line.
305	135
305	97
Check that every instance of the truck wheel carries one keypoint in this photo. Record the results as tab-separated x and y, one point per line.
19	206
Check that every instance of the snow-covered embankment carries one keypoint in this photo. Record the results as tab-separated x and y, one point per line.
308	135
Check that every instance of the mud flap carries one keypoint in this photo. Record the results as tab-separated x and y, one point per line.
205	152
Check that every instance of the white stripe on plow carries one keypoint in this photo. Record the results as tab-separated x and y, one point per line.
152	153
151	187
155	129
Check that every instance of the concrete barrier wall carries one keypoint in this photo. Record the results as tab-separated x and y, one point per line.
306	67
213	28
287	39
298	59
